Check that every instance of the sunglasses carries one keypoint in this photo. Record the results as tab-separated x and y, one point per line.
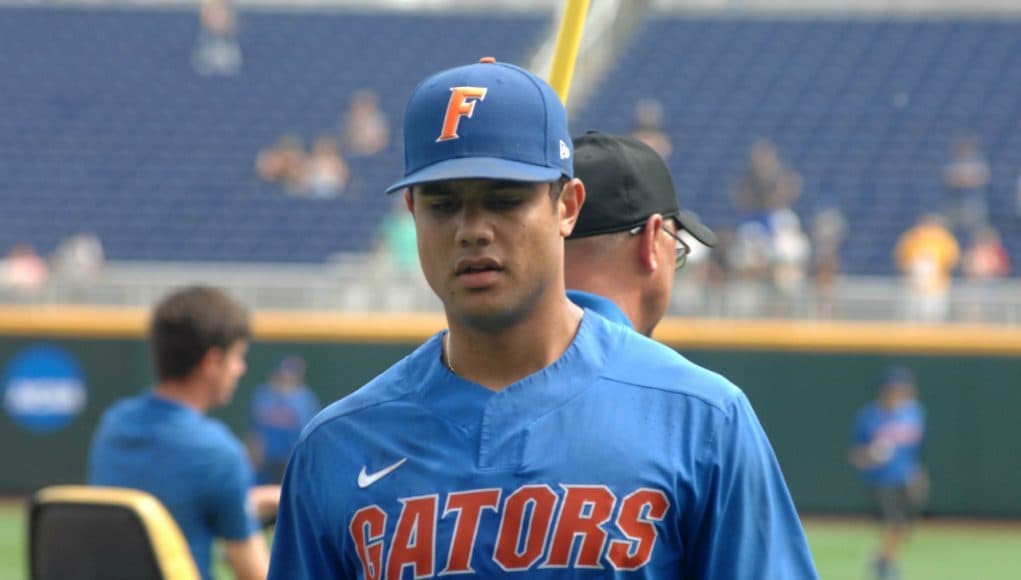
681	249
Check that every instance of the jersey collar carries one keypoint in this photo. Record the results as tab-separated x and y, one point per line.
600	305
467	404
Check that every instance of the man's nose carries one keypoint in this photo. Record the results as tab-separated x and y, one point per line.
474	227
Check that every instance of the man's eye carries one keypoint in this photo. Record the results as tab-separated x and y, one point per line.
442	205
504	202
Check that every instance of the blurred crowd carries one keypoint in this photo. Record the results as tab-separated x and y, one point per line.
76	261
779	253
777	258
323	172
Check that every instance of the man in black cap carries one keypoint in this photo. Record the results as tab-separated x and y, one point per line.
626	245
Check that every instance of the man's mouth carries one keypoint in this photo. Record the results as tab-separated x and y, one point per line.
477	272
477	265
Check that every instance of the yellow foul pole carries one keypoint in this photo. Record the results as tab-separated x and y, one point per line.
566	52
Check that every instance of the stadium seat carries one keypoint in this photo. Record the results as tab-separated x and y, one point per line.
104	533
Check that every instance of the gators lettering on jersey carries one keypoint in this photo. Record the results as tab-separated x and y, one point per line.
536	527
622	459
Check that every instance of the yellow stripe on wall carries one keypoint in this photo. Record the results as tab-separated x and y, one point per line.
761	335
805	336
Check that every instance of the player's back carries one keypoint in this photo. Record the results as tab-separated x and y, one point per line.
185	459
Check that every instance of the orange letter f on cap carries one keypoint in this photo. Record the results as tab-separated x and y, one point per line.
462	104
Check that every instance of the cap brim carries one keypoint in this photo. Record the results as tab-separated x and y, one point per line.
696	228
478	168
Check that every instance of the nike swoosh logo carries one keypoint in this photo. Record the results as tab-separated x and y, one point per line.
367	479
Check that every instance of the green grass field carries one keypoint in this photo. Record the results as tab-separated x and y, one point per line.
938	551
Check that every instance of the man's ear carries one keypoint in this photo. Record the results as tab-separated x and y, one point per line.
650	251
409	201
572	197
212	361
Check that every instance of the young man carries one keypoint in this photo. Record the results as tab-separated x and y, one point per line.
162	442
885	445
625	249
532	438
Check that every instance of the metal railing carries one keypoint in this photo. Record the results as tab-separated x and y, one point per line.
366	283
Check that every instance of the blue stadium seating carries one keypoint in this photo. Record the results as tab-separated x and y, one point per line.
105	127
831	94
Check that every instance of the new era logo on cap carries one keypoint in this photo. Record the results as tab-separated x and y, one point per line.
487	120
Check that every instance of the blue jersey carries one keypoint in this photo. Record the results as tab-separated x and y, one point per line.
620	460
896	435
605	307
190	462
279	416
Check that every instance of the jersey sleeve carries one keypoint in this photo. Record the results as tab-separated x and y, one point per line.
310	406
302	546
749	528
230	514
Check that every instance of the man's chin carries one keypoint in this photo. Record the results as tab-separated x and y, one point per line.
487	316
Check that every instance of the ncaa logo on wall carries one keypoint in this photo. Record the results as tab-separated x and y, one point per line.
43	389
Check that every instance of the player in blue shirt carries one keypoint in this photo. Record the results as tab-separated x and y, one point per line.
885	446
626	247
280	409
532	438
162	442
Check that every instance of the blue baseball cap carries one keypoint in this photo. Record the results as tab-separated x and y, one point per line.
489	120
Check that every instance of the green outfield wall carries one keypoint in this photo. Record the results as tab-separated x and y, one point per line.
805	381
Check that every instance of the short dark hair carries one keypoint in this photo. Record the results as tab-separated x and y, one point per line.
556	188
189	322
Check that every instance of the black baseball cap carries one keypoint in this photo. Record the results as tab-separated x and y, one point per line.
626	181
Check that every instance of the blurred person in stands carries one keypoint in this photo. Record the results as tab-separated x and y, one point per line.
829	227
767	184
162	441
366	129
749	257
281	408
326	172
23	272
885	444
966	178
283	163
217	52
719	273
789	260
398	242
926	255
78	259
985	260
649	127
